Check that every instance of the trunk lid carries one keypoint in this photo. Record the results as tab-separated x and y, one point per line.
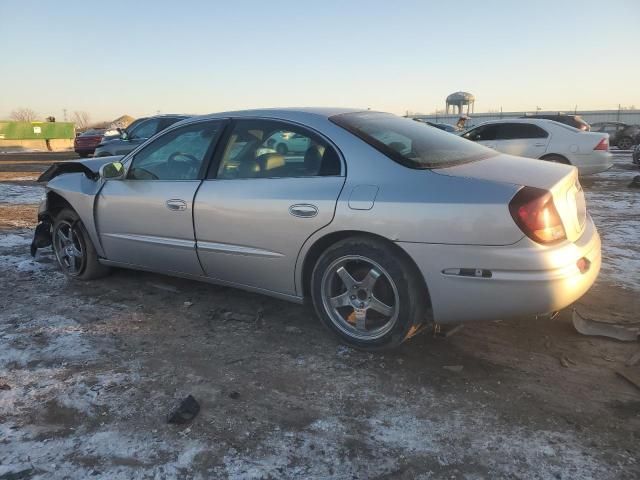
561	180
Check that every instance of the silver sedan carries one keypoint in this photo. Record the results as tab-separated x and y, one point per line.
384	224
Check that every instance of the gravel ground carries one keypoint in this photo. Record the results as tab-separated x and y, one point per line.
89	371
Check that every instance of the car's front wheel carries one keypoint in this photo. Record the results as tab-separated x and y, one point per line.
368	294
74	250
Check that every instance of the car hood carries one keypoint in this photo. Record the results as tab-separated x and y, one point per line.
90	167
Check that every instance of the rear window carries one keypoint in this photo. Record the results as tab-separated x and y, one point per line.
413	144
92	132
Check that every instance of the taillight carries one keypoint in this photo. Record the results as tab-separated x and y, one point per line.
603	145
534	212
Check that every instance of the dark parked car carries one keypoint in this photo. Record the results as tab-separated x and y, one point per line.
440	126
621	135
135	134
574	121
85	144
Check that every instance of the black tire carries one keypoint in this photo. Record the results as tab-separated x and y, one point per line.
82	266
625	143
398	285
556	159
282	149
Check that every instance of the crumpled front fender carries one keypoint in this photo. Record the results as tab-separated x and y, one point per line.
89	168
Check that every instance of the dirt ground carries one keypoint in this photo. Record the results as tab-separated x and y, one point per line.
89	371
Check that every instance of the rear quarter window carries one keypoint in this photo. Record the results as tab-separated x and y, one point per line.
413	144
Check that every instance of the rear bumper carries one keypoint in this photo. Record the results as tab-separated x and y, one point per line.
594	162
84	151
526	278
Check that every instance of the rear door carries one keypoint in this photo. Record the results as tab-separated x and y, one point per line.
258	207
522	139
146	219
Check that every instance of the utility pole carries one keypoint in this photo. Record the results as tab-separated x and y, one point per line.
65	114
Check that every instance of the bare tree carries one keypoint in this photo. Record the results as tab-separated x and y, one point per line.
23	115
81	119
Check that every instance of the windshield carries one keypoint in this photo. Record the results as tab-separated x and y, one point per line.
413	144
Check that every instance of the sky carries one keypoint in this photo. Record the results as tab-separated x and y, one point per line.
190	56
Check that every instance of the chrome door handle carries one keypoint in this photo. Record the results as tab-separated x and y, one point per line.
539	144
303	210
176	204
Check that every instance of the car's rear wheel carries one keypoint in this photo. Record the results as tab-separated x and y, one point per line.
74	250
282	149
625	143
368	294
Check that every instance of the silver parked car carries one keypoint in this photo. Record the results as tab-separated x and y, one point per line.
385	224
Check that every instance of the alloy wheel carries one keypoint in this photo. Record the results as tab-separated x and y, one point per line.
625	143
69	248
360	297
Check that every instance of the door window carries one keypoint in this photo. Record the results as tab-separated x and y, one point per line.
273	149
177	155
514	131
146	129
482	133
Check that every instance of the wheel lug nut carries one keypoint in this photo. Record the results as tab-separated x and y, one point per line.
353	297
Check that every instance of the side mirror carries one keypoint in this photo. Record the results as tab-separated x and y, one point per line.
124	135
111	171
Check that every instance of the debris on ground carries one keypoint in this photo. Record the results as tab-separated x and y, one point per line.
19	475
633	360
586	326
187	304
566	362
631	375
234	395
445	331
164	287
185	411
453	368
231	316
635	183
260	318
5	386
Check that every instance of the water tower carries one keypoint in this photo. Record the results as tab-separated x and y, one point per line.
459	100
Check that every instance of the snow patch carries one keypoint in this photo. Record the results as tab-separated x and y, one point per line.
616	213
13	240
20	194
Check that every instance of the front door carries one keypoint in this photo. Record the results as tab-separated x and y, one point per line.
146	219
522	139
260	206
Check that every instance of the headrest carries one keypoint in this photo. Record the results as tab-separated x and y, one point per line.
312	160
270	161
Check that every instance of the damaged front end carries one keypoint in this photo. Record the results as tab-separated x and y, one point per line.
42	235
61	195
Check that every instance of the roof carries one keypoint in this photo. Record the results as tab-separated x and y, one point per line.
324	112
540	121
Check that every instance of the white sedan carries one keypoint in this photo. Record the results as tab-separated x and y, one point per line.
546	140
